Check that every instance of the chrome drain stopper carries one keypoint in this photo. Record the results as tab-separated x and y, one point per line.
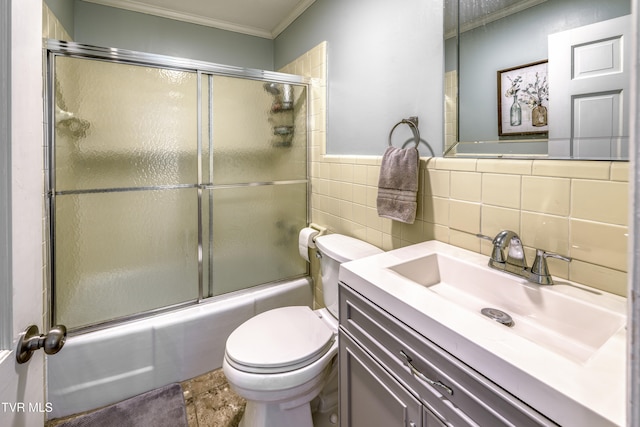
498	315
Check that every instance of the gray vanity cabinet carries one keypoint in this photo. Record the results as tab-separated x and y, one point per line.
371	396
392	376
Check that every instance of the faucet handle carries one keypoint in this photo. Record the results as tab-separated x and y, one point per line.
497	254
540	271
484	236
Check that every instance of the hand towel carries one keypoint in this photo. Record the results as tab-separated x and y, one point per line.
398	184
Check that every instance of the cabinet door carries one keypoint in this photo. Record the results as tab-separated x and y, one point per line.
430	420
369	396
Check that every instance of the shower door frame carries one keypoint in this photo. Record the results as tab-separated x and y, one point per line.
58	48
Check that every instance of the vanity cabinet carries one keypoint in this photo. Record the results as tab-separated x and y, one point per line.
392	376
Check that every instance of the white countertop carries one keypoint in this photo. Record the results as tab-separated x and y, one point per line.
591	393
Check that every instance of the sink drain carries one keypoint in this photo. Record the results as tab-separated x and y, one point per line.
498	315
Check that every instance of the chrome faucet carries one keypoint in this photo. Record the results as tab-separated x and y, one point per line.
515	262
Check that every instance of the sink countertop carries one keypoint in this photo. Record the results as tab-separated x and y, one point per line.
570	392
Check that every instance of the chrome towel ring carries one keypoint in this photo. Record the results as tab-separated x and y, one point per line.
413	124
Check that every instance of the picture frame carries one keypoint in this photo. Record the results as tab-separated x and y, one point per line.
523	100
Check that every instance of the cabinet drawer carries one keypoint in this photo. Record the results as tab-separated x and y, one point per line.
459	394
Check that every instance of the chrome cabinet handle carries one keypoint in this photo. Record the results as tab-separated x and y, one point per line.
421	376
31	340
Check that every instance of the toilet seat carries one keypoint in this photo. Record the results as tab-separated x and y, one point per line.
279	340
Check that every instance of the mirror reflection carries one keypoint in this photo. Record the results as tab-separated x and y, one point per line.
537	78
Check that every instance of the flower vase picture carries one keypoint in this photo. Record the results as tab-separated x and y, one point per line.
539	115
516	112
523	92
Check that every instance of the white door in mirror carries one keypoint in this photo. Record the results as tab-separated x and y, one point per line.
589	91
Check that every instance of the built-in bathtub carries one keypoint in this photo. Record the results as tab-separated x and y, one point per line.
102	367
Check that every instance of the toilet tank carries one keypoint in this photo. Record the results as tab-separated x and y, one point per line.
336	249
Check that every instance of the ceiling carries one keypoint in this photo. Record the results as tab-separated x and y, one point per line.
261	18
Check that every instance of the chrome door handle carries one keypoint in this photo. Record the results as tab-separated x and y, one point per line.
423	377
31	340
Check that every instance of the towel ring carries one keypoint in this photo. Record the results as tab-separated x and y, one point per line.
413	124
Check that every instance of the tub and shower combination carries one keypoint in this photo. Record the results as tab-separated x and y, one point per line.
176	190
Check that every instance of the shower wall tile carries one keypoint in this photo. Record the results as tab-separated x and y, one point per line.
51	26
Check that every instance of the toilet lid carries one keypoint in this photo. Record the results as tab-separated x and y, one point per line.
279	340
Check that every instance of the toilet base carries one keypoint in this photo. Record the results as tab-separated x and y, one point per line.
295	412
258	414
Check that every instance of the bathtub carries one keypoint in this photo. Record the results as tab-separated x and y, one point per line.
102	367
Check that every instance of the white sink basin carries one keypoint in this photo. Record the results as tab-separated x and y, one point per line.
565	355
559	321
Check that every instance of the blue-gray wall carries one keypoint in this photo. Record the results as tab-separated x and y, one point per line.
385	63
385	60
111	27
516	40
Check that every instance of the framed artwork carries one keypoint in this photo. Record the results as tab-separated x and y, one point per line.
523	99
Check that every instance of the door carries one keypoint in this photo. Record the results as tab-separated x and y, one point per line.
22	396
589	90
369	396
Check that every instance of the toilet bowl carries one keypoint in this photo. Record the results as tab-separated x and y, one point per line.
282	359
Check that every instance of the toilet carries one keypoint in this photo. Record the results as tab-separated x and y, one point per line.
283	359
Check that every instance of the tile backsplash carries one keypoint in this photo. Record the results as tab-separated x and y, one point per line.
574	208
568	207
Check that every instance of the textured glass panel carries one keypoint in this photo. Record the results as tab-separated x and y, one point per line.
124	253
254	235
120	125
207	131
259	131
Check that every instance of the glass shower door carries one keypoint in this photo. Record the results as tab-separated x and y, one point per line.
255	198
124	197
168	186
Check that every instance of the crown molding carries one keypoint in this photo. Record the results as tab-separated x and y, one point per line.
499	14
288	20
135	6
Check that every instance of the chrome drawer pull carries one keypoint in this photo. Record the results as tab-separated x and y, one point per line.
421	376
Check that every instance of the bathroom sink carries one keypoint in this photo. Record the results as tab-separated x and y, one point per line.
555	317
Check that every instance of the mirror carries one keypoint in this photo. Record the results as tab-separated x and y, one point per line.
537	79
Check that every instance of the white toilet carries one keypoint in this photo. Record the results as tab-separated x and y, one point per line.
282	359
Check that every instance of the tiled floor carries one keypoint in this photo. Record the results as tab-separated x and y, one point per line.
209	401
